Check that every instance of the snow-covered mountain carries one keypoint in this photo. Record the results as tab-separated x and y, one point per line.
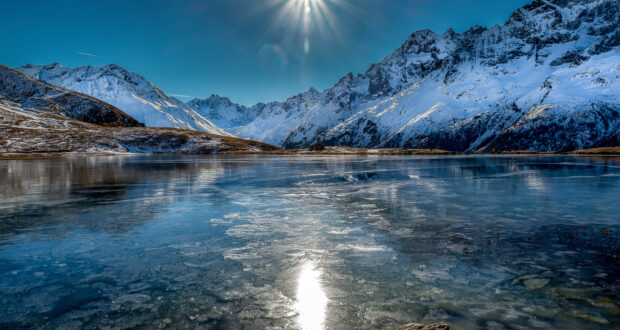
548	79
127	91
37	117
224	113
26	92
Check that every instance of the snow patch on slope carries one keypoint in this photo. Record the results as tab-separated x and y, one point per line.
127	91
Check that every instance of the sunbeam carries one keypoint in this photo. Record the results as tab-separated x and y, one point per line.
305	20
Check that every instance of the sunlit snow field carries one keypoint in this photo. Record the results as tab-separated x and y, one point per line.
310	242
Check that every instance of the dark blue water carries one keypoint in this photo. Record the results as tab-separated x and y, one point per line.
301	242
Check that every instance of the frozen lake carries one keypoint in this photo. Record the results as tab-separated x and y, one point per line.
302	242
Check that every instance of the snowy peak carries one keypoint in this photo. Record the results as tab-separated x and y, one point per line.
30	93
106	76
423	41
213	101
126	90
308	97
224	113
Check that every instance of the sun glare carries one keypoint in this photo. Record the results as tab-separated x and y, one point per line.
311	303
306	21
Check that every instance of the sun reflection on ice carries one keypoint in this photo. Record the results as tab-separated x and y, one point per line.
311	302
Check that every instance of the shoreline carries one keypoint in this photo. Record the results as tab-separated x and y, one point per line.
329	151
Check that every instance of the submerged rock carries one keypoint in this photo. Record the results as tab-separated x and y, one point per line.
536	283
419	326
588	317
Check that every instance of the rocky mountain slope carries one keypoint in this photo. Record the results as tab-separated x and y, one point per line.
127	91
32	130
31	93
36	117
548	79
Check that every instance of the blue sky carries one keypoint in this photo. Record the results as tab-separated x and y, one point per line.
247	50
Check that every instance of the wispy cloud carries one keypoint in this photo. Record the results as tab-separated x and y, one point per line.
88	54
180	95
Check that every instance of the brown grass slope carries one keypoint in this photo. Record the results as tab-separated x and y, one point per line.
36	117
29	130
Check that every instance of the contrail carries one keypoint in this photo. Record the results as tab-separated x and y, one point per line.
87	54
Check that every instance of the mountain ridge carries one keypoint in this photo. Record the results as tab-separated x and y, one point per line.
126	90
528	54
29	92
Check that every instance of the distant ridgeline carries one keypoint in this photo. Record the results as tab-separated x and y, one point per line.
547	80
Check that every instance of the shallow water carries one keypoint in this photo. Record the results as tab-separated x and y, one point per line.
301	242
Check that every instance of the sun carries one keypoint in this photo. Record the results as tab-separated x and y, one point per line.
305	21
307	12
